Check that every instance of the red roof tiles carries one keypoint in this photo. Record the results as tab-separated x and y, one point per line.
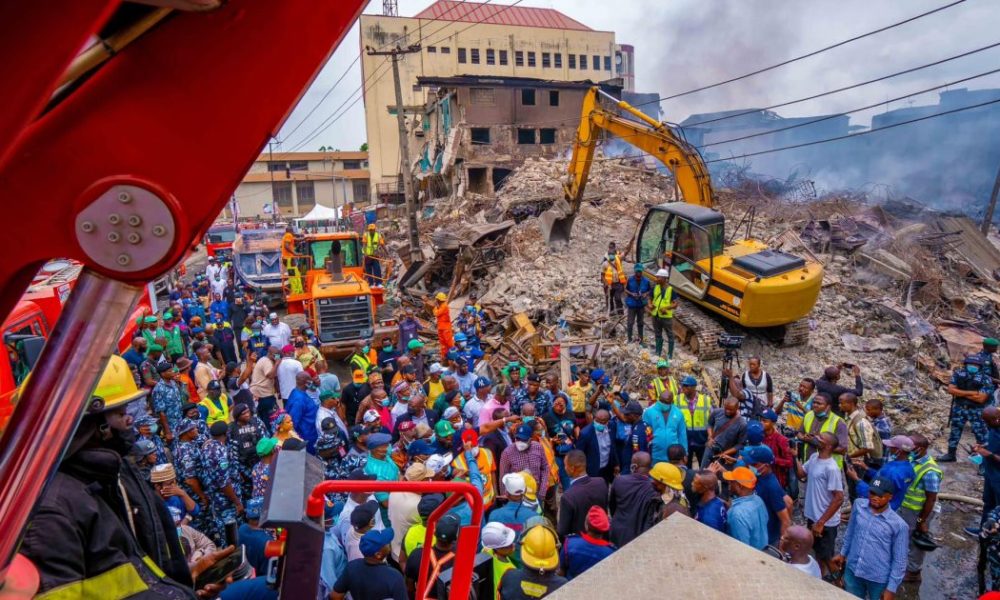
498	14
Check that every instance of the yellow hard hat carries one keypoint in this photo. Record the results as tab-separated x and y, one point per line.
116	387
371	227
530	486
539	549
442	296
668	475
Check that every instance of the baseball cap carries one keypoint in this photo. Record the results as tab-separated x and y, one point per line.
497	535
444	429
449	412
360	475
483	382
327	424
755	455
414	345
689	380
185	426
662	363
435	369
420	448
371	415
378	439
447	528
373	541
164	367
470	436
755	432
254	506
597	518
363	514
144	448
524	432
514	484
437	462
882	486
900	442
769	415
428	503
633	408
741	475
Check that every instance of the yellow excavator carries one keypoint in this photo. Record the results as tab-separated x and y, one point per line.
746	282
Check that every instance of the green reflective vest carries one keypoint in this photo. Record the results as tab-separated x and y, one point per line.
697	419
915	494
657	387
829	426
662	298
372	240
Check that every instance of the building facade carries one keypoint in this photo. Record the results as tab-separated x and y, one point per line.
297	181
467	39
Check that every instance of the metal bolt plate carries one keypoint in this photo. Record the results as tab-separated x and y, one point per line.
126	212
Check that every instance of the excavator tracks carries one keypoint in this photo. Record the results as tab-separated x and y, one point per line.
795	334
697	330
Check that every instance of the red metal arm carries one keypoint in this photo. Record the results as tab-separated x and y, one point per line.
468	538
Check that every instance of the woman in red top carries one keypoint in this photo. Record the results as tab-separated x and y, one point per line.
783	456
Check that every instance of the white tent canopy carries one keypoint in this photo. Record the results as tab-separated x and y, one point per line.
321	213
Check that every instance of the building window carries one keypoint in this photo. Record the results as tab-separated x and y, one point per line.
546	136
607	63
503	58
572	60
444	50
583	62
461	56
531	59
275	167
475	56
597	63
491	56
298	165
431	49
527	97
480	135
553	97
352	164
281	192
557	60
305	192
518	58
525	136
546	60
360	191
479	95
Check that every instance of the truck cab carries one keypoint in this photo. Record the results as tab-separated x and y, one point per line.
326	283
219	241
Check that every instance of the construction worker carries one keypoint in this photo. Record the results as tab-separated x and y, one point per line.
485	461
446	338
662	382
216	403
96	495
498	542
540	555
661	307
613	277
696	409
359	360
371	242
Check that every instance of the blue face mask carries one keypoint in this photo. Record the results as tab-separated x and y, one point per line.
599	427
366	349
528	419
386	402
154	428
912	456
821	415
387	348
972	369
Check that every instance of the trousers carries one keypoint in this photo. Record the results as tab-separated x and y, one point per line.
373	271
663	325
961	414
862	588
265	408
915	558
636	317
614	293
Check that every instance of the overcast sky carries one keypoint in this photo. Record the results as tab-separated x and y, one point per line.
684	44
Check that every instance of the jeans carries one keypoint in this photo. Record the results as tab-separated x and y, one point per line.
373	271
862	588
636	316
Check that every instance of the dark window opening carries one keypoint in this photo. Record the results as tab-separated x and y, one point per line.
607	63
431	49
352	164
518	58
499	176
491	56
478	180
525	136
480	135
596	63
503	58
546	136
298	165
553	98
445	50
527	97
572	60
557	60
475	56
531	59
461	55
583	61
546	60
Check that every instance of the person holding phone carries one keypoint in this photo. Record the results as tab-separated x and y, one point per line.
829	383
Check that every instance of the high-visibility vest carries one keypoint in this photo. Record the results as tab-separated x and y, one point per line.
915	495
217	413
656	387
829	426
662	300
697	419
487	468
500	566
360	362
372	240
611	269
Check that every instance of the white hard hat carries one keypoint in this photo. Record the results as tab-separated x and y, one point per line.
497	535
438	462
514	483
662	273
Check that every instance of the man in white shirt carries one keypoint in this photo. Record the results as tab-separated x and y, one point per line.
213	268
218	285
288	368
796	545
328	403
278	334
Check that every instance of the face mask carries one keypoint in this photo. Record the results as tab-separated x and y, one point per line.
366	349
972	369
387	348
153	429
386	402
821	415
666	405
432	439
522	446
599	427
528	419
912	456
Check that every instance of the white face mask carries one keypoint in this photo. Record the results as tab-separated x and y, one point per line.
522	446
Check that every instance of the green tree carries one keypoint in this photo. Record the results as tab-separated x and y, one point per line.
364	147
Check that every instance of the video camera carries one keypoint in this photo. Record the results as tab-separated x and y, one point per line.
730	341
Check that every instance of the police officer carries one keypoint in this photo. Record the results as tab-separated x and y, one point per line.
190	466
970	389
244	433
990	366
219	480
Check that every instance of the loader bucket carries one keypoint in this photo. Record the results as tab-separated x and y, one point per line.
556	223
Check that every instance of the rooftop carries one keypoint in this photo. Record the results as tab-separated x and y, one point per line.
498	14
487	80
283	156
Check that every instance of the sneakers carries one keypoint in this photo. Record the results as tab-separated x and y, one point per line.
973	531
947	457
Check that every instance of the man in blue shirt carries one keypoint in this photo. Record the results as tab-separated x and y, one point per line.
776	501
371	577
873	557
711	510
898	469
637	292
747	518
668	425
302	408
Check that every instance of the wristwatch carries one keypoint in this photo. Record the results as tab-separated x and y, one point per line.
920	520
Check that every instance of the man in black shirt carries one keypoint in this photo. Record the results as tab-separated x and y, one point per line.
829	383
353	393
445	535
370	578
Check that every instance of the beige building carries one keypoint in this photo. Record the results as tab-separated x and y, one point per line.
473	39
298	181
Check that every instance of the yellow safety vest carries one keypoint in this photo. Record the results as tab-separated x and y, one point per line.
696	420
656	388
216	413
487	469
829	426
360	362
500	566
371	243
915	495
611	269
661	302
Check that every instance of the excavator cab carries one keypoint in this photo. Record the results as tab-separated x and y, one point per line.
685	239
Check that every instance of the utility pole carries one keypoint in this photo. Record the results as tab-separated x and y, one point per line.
404	146
988	219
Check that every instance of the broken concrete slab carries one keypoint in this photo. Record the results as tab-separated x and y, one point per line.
857	343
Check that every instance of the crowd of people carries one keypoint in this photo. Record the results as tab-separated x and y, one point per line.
186	425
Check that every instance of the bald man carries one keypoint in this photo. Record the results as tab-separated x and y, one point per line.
727	433
796	544
633	501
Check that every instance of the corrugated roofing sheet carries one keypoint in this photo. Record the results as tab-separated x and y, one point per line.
498	14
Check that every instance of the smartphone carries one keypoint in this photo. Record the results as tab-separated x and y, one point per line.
848	365
232	533
222	569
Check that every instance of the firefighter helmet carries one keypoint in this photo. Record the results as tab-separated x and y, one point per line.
116	387
539	548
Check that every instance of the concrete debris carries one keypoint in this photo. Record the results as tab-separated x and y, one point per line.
857	343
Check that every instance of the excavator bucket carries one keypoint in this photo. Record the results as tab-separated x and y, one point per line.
556	223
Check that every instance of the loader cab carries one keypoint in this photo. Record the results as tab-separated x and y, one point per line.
684	239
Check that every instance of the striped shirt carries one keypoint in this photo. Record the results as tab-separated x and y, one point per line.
876	545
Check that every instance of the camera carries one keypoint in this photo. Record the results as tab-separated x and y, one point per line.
730	341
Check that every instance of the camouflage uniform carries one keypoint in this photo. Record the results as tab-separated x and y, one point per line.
965	411
242	442
990	537
190	464
218	473
333	466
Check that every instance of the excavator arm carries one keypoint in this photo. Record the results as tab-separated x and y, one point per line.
651	136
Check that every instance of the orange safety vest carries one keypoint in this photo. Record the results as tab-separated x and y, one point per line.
487	468
611	268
